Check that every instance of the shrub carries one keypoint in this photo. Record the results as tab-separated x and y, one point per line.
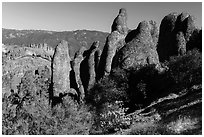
31	114
107	99
38	119
182	125
105	91
186	70
113	118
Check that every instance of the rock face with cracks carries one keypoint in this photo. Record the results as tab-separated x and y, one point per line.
181	43
76	67
114	42
141	48
92	63
61	69
120	22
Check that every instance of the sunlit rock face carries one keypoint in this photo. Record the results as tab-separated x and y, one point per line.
140	49
61	69
114	42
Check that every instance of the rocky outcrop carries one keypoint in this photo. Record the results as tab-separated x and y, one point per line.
114	42
120	22
141	48
61	69
171	26
89	66
76	68
92	63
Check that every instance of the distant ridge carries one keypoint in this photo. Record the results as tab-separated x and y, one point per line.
75	38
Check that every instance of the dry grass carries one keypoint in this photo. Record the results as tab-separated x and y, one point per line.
182	124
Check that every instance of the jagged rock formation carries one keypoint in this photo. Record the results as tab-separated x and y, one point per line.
120	22
76	67
93	60
89	66
171	26
140	49
114	42
85	67
61	69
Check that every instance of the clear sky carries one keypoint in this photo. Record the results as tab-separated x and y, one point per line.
67	16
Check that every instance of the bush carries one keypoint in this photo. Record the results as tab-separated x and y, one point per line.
112	119
105	91
38	119
107	99
147	84
28	112
185	71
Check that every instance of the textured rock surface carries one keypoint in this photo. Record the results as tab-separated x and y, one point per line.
141	50
114	42
171	25
61	69
120	22
181	43
76	67
92	62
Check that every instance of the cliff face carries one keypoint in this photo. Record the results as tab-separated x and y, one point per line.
176	35
141	48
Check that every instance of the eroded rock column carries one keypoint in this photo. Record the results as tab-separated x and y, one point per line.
61	68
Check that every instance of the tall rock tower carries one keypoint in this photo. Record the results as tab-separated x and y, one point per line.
61	69
114	42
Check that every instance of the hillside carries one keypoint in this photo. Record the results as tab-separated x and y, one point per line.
52	38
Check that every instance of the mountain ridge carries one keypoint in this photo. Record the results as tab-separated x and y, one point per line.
75	38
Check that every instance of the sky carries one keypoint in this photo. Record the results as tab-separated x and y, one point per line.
69	16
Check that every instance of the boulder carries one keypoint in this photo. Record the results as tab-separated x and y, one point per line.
61	69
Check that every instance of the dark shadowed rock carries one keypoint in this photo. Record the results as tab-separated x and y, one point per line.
195	40
140	51
61	68
76	68
186	24
166	37
171	25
